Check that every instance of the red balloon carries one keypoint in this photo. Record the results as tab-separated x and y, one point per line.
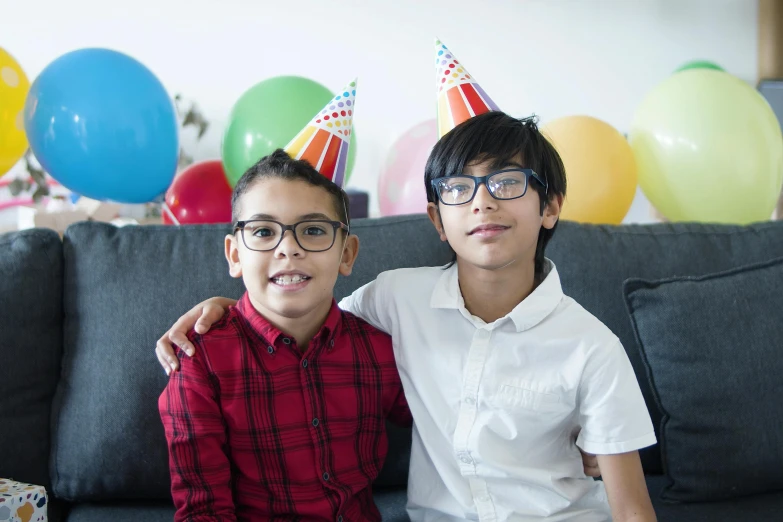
199	194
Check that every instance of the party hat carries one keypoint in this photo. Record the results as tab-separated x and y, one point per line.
325	140
460	97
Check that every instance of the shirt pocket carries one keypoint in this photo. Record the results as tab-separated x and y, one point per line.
531	397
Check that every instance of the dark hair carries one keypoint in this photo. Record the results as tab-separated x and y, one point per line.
498	137
280	165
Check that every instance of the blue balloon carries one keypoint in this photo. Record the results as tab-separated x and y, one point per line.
104	126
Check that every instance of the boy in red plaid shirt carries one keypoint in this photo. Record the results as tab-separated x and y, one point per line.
281	414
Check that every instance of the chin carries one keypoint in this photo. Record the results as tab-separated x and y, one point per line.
490	262
291	308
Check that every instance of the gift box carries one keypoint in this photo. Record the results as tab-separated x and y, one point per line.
21	502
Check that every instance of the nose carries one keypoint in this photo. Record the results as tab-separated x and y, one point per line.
483	200
288	246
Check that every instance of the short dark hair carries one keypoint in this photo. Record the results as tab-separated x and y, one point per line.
282	166
501	138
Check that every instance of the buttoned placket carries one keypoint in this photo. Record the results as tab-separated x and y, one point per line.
466	418
312	407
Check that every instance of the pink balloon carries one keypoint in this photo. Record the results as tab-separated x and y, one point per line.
401	183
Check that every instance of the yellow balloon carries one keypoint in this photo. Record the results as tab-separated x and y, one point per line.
600	169
13	92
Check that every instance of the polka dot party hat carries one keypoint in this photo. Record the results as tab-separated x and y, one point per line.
460	97
325	140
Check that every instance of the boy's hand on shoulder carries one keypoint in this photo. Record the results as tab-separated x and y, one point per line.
590	463
200	318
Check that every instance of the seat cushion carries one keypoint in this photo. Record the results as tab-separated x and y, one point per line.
594	261
31	266
390	502
758	508
712	346
122	512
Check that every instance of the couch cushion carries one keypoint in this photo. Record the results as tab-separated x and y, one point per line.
390	502
31	265
757	508
712	346
148	511
594	261
123	288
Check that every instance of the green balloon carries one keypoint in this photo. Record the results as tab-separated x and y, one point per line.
699	64
708	148
267	117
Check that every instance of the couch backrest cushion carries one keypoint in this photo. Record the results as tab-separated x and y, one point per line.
594	261
123	288
31	266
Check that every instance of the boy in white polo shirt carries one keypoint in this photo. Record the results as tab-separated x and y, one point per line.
500	369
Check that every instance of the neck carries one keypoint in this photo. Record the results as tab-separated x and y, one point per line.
493	293
303	328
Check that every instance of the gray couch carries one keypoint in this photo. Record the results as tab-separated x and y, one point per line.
79	318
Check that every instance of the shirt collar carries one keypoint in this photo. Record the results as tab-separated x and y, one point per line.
269	332
527	314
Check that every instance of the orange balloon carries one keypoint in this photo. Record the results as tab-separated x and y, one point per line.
600	169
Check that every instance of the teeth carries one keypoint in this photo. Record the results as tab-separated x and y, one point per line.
290	279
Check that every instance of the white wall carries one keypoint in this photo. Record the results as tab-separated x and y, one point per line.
549	57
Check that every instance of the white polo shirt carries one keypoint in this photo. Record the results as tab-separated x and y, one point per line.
497	406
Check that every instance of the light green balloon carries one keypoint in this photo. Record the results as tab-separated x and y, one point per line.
699	64
709	149
267	117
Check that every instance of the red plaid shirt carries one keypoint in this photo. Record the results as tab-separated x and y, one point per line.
258	430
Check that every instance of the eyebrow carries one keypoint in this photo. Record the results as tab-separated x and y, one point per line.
270	217
507	164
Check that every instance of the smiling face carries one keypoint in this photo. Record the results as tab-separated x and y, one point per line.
491	234
289	282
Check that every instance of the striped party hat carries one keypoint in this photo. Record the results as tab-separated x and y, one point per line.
325	140
460	97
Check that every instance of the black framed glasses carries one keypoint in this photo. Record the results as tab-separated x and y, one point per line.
315	235
501	184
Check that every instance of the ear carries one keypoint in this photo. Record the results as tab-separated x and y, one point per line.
552	211
232	255
434	215
350	252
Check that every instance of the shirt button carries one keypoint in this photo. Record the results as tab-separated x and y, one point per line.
331	343
270	349
325	476
470	401
483	499
465	459
286	340
483	334
315	423
304	363
340	518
